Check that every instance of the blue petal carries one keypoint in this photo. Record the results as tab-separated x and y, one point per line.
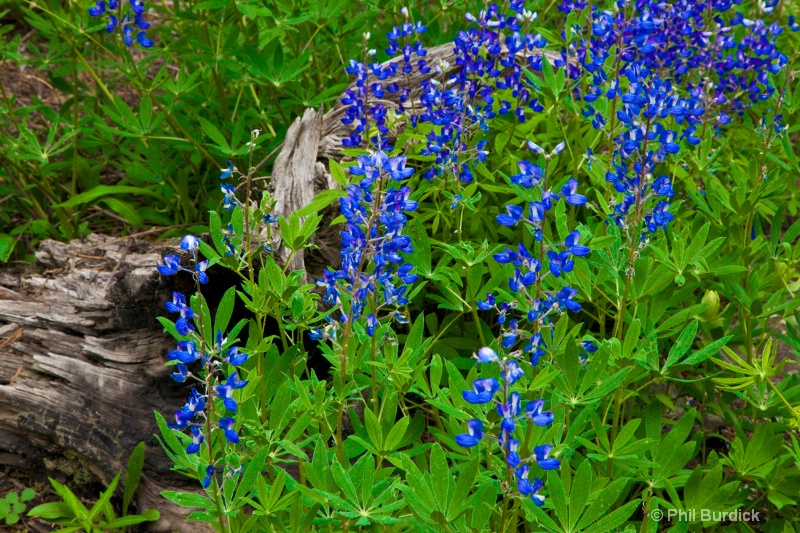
475	398
165	270
549	464
234	438
466	440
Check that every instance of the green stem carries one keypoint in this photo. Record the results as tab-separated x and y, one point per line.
212	412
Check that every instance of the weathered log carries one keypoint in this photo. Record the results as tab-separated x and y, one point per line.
293	173
81	351
82	366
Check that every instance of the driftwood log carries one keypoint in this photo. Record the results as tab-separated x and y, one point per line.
81	351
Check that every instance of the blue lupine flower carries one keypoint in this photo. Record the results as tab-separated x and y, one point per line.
535	347
200	268
560	262
572	246
541	455
234	357
183	325
178	302
510	334
142	39
558	149
526	488
181	373
530	174
190	243
467	440
99	9
533	410
186	353
197	440
535	148
194	405
509	411
209	475
514	215
513	372
127	25
139	21
172	264
486	355
225	391
483	391
226	172
569	194
386	269
487	304
564	299
513	458
372	323
659	218
226	425
589	346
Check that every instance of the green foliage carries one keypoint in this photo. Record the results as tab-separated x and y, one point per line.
73	515
99	161
686	406
13	504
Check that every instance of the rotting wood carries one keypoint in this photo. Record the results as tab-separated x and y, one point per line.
82	366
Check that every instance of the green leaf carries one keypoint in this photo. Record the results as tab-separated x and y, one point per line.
124	209
602	503
151	515
52	511
343	481
337	173
631	338
579	495
682	344
373	428
7	243
188	499
321	201
215	135
107	190
707	351
105	497
440	476
224	311
252	473
396	434
611	521
133	474
75	505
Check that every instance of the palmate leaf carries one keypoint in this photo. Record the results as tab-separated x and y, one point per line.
589	507
749	374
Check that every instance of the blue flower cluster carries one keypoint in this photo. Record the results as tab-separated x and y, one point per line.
535	300
510	410
213	360
373	274
126	23
365	110
492	56
679	68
